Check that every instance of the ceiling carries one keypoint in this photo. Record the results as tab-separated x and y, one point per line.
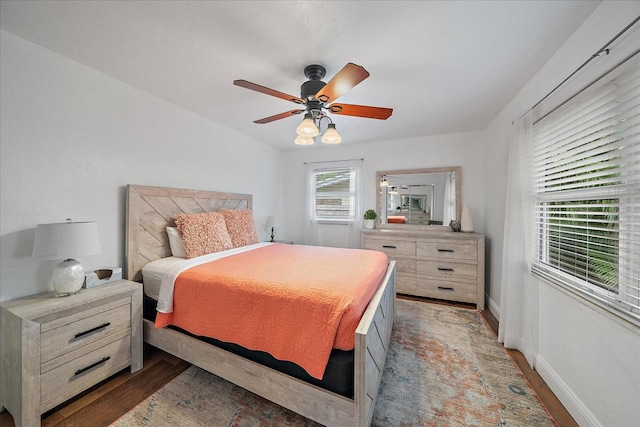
443	66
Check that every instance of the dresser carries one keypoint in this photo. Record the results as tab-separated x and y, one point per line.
436	264
54	348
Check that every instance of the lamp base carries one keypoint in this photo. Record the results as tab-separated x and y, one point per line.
67	278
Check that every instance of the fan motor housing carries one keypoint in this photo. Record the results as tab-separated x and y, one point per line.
309	89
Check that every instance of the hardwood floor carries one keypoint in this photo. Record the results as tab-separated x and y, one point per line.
107	401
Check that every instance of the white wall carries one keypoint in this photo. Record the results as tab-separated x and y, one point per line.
71	139
590	361
463	149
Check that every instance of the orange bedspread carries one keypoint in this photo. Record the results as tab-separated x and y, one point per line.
294	302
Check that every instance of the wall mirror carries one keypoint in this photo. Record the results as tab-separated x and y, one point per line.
419	197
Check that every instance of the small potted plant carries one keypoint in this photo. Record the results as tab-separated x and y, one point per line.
370	219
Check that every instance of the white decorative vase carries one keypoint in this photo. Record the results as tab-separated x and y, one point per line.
369	224
466	223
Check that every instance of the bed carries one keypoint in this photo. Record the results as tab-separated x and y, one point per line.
150	210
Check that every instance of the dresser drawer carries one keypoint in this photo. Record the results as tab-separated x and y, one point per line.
446	249
392	247
405	284
86	368
72	332
447	269
433	288
405	266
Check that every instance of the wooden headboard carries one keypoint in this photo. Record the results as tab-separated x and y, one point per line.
151	209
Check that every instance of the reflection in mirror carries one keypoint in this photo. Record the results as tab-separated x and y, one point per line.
419	196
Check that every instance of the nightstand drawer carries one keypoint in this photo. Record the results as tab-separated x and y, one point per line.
85	368
72	332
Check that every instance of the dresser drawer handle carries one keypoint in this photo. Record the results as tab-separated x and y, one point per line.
446	250
445	288
444	269
93	365
389	246
97	328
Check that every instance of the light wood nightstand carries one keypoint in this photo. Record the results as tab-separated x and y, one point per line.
54	348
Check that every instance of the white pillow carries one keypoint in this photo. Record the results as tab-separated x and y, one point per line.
176	243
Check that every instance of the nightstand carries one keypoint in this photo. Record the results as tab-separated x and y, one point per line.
54	348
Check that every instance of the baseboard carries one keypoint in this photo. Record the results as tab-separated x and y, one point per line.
580	413
494	308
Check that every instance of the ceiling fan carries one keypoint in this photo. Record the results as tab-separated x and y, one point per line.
317	97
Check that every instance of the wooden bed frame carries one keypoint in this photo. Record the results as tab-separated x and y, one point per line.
150	210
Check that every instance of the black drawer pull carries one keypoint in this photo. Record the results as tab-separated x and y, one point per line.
445	288
104	325
389	246
444	269
446	250
93	365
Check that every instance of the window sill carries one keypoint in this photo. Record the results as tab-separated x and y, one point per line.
334	221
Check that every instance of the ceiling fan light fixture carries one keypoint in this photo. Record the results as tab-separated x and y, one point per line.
315	94
304	140
331	135
308	127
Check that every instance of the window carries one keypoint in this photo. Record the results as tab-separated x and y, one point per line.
335	193
586	177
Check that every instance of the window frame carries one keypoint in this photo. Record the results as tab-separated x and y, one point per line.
351	194
625	302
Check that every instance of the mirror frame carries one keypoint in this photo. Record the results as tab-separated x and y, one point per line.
380	174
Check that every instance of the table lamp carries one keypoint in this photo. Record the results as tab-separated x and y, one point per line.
272	222
66	241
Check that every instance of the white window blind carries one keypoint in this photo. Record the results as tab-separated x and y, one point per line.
335	193
586	173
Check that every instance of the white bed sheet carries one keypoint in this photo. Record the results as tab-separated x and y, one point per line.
168	269
153	272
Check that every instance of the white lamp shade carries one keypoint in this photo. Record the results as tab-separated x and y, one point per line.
331	135
304	140
66	240
308	127
272	221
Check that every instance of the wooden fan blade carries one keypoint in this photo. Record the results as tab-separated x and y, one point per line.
379	113
248	85
278	116
350	75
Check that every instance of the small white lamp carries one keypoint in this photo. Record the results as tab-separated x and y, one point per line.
65	241
272	222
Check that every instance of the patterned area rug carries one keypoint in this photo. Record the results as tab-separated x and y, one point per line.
444	368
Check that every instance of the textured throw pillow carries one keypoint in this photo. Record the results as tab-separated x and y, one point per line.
203	233
240	226
175	242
